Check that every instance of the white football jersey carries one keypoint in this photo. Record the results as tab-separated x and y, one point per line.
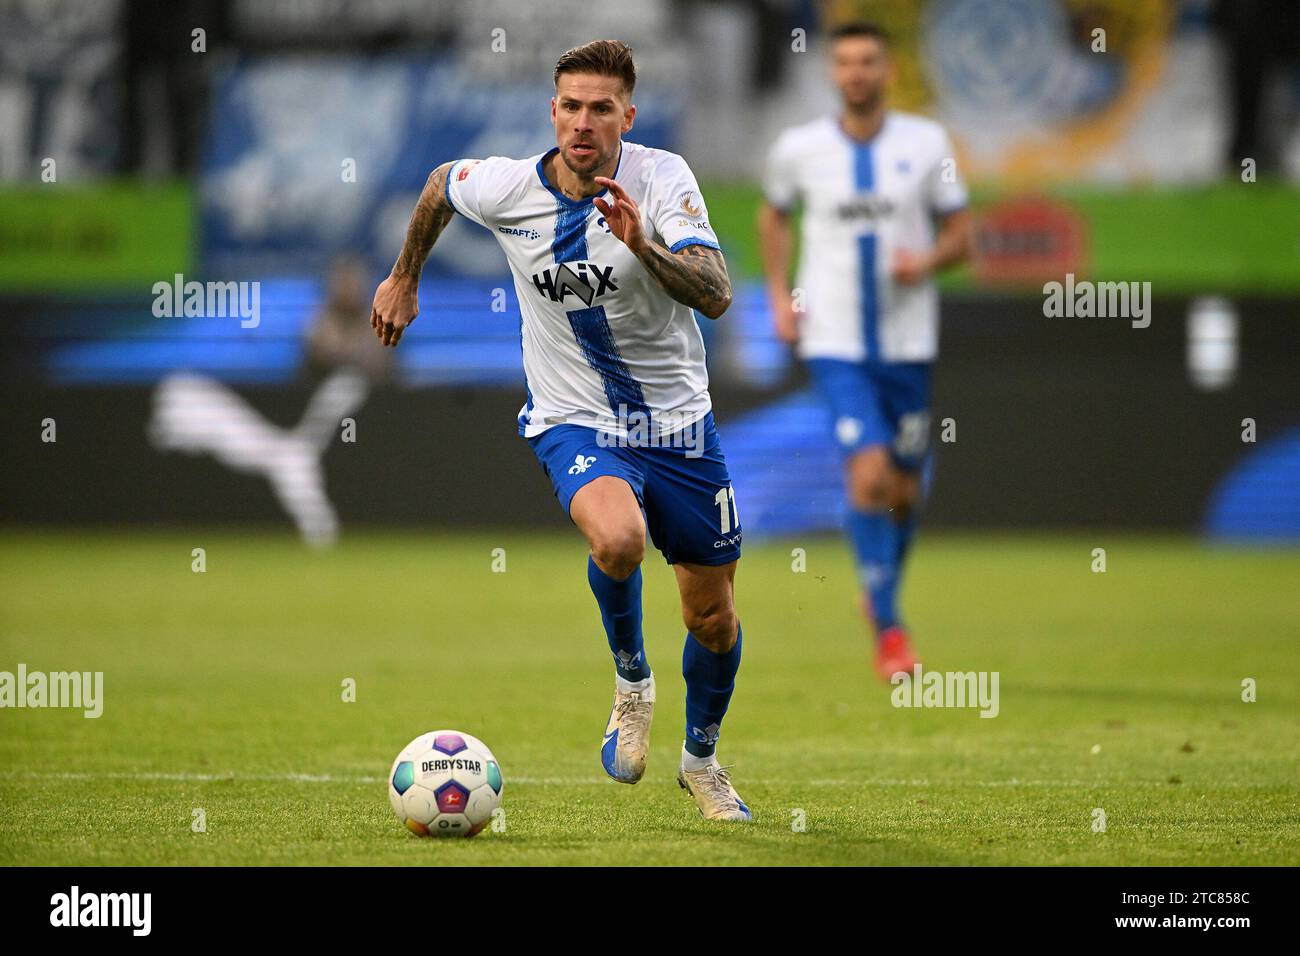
604	345
861	202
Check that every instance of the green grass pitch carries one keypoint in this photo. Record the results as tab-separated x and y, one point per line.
223	691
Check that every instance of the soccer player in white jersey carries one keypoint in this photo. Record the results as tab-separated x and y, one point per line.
610	248
883	210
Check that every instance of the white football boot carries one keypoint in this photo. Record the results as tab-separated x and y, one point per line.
627	735
713	793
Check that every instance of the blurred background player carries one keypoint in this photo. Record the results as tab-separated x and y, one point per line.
611	249
871	183
336	340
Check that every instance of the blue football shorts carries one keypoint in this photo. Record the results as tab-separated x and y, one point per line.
684	492
877	403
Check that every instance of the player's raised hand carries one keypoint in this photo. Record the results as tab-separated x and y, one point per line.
395	307
622	215
910	267
785	319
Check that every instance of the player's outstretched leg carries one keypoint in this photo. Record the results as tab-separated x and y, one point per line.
881	520
607	512
710	660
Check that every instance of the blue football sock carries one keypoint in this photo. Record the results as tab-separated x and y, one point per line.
710	679
879	545
620	610
907	527
904	531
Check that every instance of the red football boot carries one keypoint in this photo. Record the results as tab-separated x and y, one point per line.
894	653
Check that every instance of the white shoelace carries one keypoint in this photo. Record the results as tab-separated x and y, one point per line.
717	783
632	718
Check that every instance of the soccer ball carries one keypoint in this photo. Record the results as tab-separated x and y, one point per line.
445	783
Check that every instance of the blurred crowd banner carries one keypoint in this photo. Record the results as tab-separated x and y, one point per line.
59	69
1120	91
311	157
1123	91
1057	88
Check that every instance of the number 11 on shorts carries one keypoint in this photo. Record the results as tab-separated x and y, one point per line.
725	499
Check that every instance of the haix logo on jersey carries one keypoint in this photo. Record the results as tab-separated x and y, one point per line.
583	280
865	206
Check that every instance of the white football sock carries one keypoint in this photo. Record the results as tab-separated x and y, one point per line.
643	687
692	762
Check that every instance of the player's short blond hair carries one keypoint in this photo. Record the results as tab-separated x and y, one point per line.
602	57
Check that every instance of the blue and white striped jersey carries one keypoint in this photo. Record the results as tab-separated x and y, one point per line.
604	345
863	201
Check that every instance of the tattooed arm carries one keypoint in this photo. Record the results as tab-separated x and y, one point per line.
395	305
695	276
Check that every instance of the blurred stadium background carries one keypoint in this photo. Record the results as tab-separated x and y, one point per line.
284	143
